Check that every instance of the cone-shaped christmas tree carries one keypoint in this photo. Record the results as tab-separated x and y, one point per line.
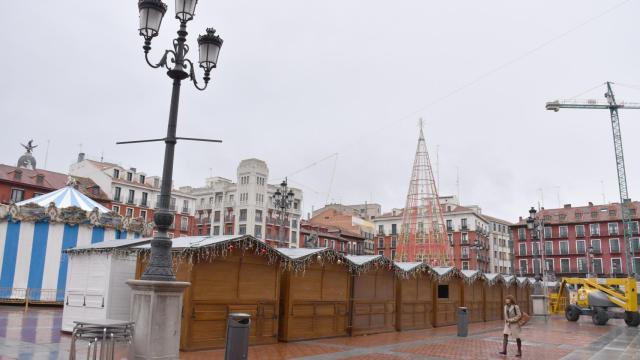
423	236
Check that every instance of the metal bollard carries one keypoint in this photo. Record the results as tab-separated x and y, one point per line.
237	342
463	322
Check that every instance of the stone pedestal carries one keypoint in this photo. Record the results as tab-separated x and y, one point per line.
156	308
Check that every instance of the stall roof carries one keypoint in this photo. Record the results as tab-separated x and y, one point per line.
65	197
363	259
109	244
299	253
492	278
409	266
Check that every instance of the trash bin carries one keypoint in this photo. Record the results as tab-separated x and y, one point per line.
463	322
237	342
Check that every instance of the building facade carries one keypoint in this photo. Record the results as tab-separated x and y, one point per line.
367	211
134	194
478	241
577	241
319	236
349	223
225	207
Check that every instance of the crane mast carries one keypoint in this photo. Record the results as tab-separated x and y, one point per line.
619	153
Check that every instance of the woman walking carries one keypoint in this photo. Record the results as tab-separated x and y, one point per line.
512	315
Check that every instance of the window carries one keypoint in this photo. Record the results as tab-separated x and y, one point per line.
633	227
463	224
616	266
636	264
449	225
582	265
564	231
465	252
450	239
443	291
17	195
564	247
522	233
612	213
393	254
594	229
564	265
524	268
296	205
578	216
294	223
380	252
381	242
563	217
594	214
143	200
548	248
116	193
547	232
129	212
129	176
580	247
216	216
465	238
132	194
613	229
242	230
394	229
243	216
258	215
465	265
536	266
116	173
595	245
579	230
394	239
635	246
548	265
597	266
142	179
614	246
116	209
257	231
143	215
294	236
535	248
216	230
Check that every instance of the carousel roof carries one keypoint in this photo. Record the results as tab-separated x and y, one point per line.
66	197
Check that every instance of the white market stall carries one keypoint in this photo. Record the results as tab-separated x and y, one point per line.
96	281
34	233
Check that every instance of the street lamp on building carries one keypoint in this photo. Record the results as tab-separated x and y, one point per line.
283	201
179	68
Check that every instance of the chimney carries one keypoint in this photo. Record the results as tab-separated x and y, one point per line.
590	203
520	218
80	157
133	170
567	206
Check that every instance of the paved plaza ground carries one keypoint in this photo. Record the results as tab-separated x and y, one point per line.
36	335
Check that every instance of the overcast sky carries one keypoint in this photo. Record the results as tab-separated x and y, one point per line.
300	80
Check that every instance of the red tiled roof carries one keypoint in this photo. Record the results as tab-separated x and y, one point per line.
52	180
568	215
104	165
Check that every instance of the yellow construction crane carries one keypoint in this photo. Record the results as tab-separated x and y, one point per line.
613	107
602	299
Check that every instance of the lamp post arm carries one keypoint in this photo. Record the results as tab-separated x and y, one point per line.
163	60
192	76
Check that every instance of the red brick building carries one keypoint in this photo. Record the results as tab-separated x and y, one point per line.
341	240
569	235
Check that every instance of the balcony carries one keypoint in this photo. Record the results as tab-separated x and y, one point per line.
615	251
131	201
229	218
464	228
449	228
184	227
207	206
465	256
216	219
271	220
258	219
116	198
185	210
144	203
580	234
380	233
614	233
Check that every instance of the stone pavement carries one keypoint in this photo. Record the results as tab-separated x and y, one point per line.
36	335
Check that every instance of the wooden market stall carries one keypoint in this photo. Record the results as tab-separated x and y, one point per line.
373	301
414	297
523	294
448	295
494	296
314	303
511	287
227	274
473	294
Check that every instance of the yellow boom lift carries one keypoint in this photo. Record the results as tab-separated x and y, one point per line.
602	299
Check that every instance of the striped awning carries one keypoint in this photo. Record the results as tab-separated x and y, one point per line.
66	197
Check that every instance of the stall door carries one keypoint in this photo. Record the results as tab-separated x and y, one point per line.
494	302
373	302
447	302
86	289
234	284
474	300
415	308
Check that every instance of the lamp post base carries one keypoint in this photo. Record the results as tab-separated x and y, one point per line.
156	308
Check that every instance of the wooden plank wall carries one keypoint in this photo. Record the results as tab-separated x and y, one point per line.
246	284
523	298
494	301
473	300
373	303
315	303
414	299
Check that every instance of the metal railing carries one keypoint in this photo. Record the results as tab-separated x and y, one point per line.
31	296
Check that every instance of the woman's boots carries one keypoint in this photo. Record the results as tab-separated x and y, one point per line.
505	341
519	342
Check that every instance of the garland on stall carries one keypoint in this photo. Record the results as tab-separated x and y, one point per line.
470	276
374	263
406	270
444	274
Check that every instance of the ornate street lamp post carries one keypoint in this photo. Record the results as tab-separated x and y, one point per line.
178	68
283	200
536	226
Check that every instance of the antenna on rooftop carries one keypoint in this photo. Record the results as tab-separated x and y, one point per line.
604	199
46	154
